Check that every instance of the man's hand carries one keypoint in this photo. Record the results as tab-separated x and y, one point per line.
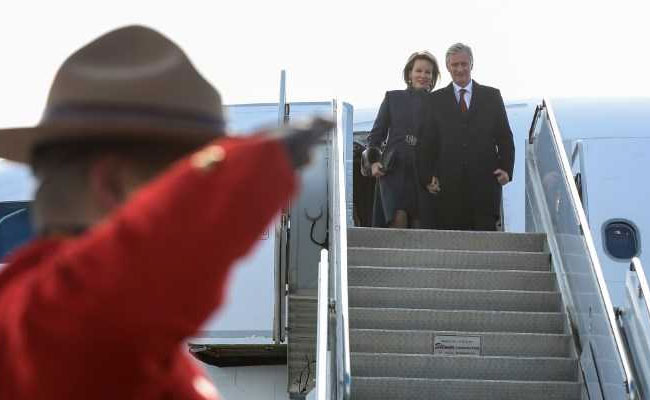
502	176
300	138
434	186
377	169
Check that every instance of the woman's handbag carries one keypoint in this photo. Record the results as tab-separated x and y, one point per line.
369	156
387	157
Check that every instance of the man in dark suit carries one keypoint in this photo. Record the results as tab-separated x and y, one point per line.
475	148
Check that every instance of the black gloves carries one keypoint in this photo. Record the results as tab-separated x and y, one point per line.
299	139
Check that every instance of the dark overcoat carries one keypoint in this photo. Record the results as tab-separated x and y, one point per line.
402	113
478	142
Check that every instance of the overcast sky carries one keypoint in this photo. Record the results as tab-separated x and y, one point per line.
353	50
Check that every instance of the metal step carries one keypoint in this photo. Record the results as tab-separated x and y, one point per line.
445	240
464	367
409	286
459	259
302	321
451	279
301	338
364	388
455	299
444	320
493	343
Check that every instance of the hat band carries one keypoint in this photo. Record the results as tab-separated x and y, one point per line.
93	112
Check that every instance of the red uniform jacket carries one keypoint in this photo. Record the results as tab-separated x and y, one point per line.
103	316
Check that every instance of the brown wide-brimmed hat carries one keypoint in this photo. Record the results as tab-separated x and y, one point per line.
129	84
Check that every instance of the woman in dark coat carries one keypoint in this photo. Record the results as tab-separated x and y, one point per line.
402	121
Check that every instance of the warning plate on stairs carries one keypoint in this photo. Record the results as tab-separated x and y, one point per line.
457	345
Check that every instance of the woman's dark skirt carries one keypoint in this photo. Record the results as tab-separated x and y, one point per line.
399	189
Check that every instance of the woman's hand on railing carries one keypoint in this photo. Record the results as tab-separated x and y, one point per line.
377	169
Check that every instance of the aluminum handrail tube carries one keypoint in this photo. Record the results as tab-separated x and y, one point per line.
322	378
283	98
637	267
531	131
340	232
591	247
281	266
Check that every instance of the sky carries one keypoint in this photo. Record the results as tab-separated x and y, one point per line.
351	50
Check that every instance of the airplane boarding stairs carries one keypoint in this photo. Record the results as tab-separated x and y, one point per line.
409	289
417	314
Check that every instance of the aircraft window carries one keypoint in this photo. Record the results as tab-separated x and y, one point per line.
15	226
621	240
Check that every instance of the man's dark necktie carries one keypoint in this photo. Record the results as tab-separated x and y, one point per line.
463	104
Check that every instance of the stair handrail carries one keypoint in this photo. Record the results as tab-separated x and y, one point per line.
338	258
576	204
637	267
635	323
322	324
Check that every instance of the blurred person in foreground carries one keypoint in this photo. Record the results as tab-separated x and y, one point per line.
142	207
393	152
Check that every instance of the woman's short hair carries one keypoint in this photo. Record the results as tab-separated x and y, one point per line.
421	55
459	48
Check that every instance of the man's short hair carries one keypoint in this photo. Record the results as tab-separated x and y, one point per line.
459	48
62	169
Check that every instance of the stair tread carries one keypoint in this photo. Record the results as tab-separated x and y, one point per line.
452	320
450	299
449	278
542	255
508	344
447	268
458	311
468	367
457	258
467	380
487	291
379	388
450	251
415	238
468	333
451	357
353	229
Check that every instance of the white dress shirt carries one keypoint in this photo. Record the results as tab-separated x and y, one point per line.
468	93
